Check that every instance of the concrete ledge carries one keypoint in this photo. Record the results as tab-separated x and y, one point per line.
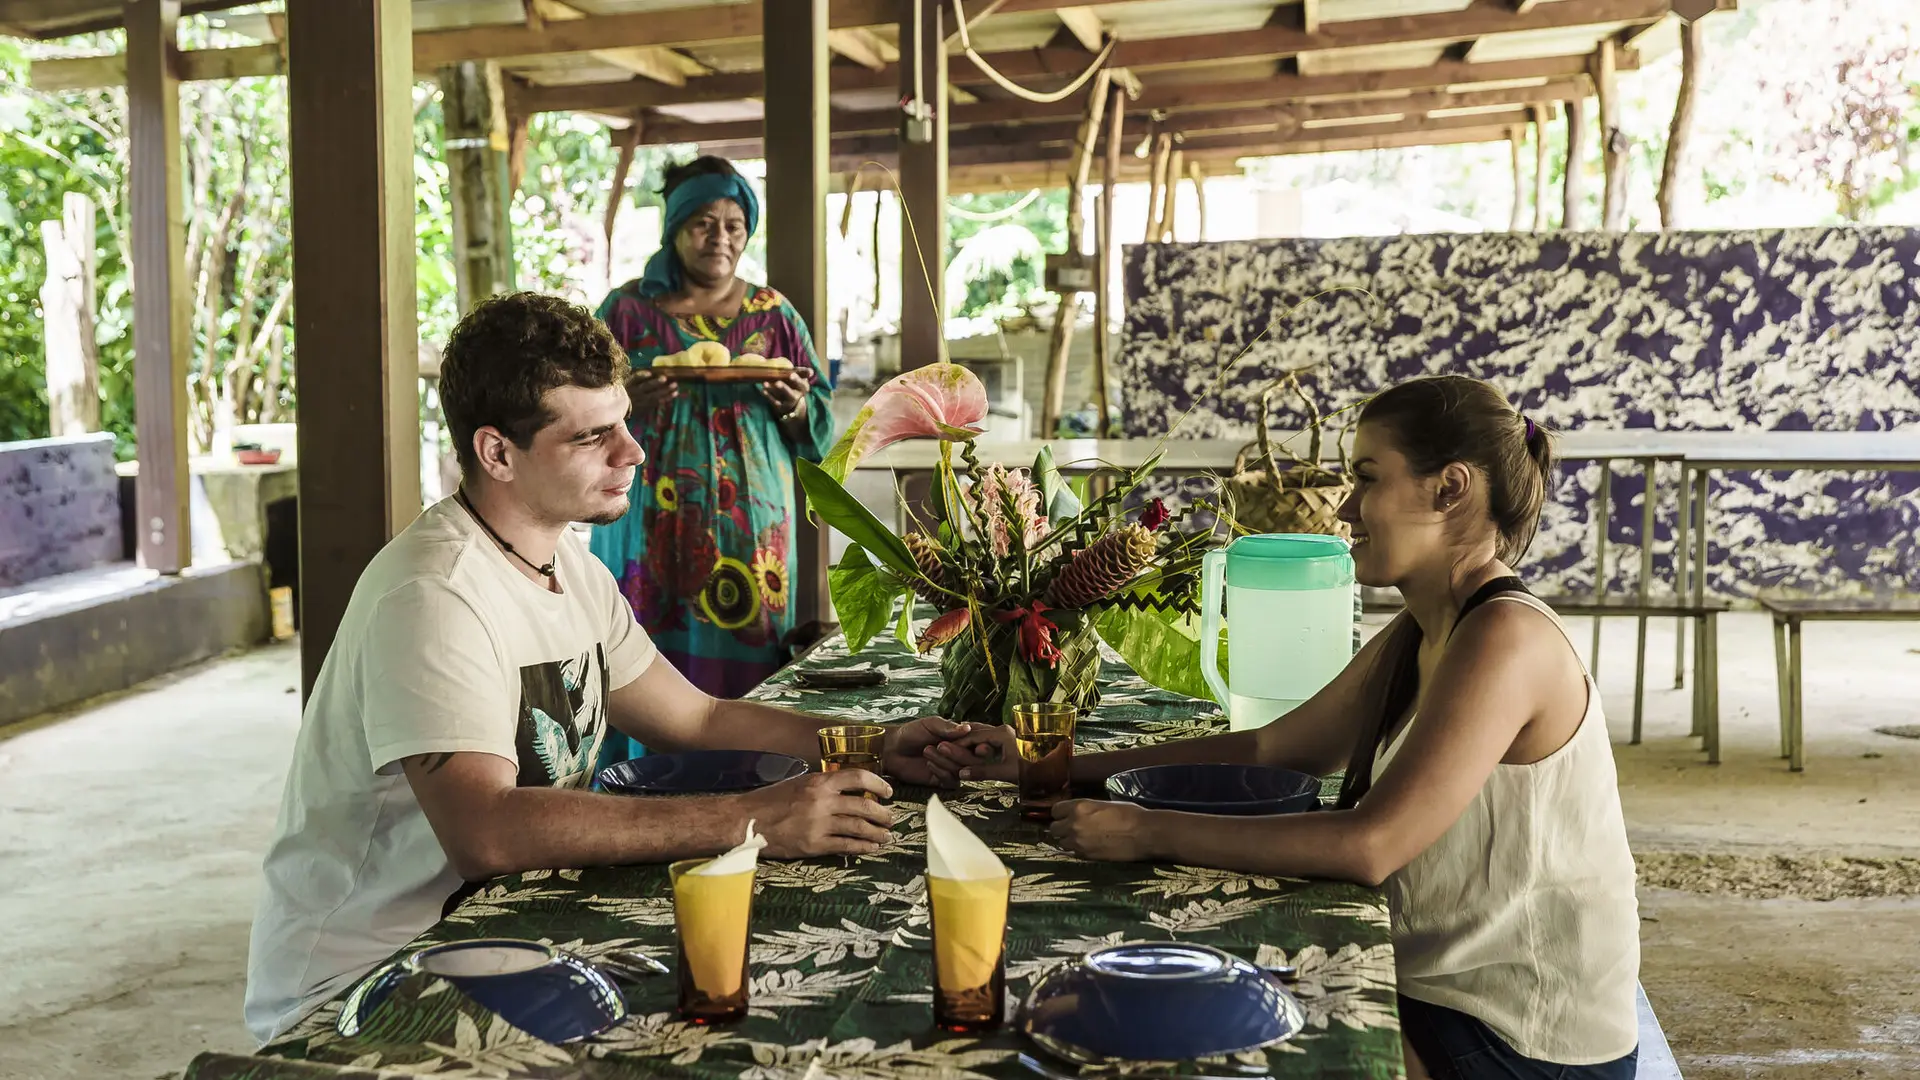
69	653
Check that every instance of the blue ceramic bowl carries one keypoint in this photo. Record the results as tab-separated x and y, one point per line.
546	993
699	772
1217	789
1158	1001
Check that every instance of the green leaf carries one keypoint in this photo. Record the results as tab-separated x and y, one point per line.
828	499
1162	647
863	597
1055	494
904	631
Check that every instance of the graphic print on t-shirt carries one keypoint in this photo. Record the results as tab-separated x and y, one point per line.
563	717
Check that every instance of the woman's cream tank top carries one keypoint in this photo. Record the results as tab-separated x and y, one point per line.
1523	913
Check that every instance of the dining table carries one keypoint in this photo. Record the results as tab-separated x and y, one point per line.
840	959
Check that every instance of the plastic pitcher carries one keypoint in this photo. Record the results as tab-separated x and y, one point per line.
1289	602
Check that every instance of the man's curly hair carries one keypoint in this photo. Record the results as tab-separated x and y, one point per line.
508	352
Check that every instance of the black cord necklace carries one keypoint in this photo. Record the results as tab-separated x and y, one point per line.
544	571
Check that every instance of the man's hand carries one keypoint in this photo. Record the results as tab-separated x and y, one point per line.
932	751
820	814
1105	831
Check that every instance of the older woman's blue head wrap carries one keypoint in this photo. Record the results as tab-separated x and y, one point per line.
664	272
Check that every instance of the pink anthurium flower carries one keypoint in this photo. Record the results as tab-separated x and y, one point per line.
941	401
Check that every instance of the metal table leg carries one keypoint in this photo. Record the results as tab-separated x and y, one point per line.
1783	683
1708	676
1603	512
1649	467
1702	480
1796	732
1685	511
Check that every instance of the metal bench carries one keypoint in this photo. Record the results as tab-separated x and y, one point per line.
1706	649
1656	1057
1787	617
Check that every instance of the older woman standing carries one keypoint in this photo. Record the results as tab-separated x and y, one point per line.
705	554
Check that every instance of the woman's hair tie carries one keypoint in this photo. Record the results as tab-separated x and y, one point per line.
1531	430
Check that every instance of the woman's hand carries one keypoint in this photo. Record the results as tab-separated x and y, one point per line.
986	752
1104	831
649	390
786	393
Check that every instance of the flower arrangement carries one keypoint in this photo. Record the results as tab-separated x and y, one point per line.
1025	580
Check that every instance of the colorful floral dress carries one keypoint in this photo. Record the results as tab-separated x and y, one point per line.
705	554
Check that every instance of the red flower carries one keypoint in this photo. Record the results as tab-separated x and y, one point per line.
726	425
944	629
1155	515
1036	633
724	494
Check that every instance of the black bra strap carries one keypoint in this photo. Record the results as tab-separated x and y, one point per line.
1497	587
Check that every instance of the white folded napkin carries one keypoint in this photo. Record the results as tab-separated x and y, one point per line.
742	859
954	852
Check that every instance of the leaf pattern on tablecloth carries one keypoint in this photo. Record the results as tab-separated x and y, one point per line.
843	947
1172	881
864	1059
818	945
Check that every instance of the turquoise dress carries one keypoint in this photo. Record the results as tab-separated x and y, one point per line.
705	553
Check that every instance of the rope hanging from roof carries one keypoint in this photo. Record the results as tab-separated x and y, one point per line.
994	215
1011	87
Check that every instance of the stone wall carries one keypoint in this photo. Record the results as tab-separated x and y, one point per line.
1767	330
59	507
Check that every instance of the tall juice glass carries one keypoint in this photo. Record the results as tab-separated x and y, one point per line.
969	951
710	917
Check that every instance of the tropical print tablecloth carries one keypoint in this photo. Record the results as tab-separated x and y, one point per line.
841	960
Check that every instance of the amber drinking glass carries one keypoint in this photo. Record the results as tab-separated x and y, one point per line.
969	951
1043	733
852	746
710	916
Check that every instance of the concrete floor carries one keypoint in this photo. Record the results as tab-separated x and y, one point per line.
130	837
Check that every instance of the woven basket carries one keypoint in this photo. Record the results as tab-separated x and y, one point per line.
1303	497
978	693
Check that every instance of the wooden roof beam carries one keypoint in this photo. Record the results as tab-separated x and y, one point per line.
1270	116
1085	25
626	96
863	47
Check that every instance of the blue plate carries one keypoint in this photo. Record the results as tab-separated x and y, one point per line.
546	993
1217	789
699	772
1158	1001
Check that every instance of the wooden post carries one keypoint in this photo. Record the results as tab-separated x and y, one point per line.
1103	243
1176	168
1156	186
629	142
794	33
1692	41
1576	186
1061	344
517	129
473	107
1519	188
67	301
1613	141
350	122
923	183
161	303
1198	175
1539	168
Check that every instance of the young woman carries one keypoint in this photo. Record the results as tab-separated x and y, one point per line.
1479	787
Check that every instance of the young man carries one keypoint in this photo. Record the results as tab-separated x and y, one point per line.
452	732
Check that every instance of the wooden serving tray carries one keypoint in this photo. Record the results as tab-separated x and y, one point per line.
724	374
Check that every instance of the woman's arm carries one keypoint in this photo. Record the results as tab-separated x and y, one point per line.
809	432
1499	672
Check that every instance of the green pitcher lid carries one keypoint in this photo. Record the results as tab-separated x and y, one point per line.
1289	562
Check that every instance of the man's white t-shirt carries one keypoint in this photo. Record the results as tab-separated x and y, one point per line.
445	647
